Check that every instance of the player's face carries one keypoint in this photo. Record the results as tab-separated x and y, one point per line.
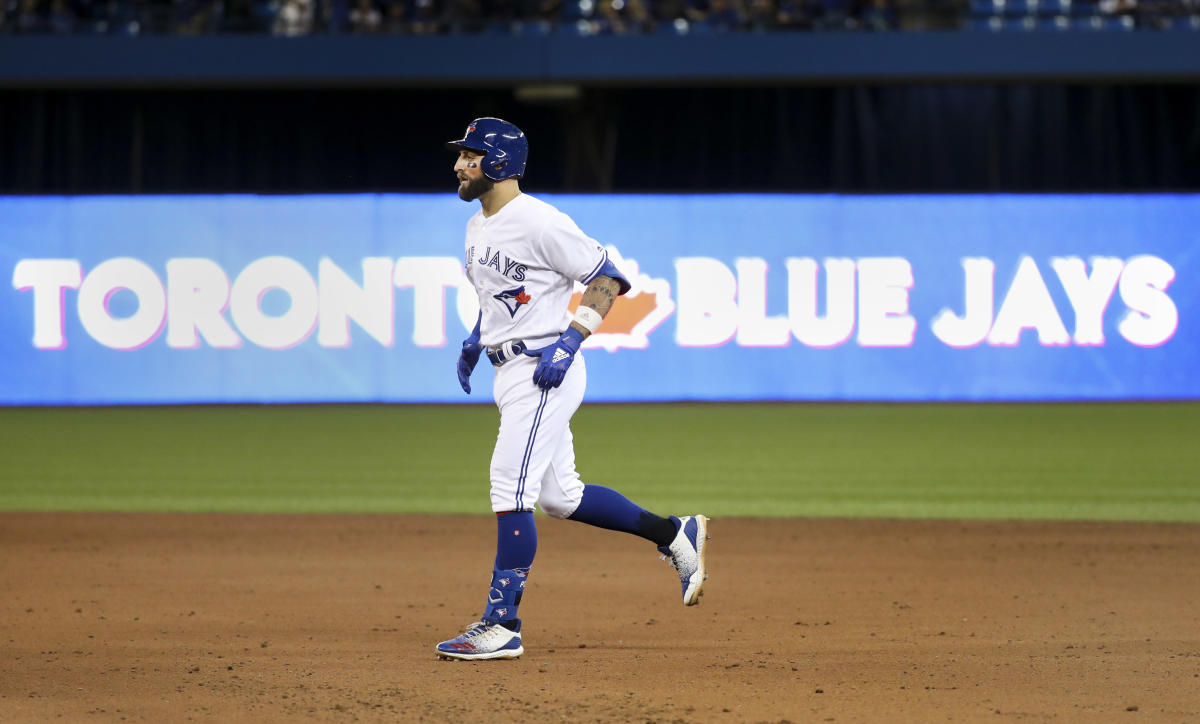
471	182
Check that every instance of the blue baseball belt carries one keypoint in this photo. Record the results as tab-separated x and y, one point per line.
505	352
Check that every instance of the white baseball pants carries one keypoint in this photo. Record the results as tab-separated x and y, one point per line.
534	459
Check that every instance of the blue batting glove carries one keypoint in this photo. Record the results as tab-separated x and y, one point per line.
554	360
469	357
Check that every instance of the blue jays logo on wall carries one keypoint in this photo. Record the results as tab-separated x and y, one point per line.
512	299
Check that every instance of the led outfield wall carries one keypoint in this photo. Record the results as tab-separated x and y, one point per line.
362	298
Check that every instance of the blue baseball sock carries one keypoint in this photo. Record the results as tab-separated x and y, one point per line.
516	540
516	545
606	508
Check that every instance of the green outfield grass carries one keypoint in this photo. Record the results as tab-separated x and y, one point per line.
1125	461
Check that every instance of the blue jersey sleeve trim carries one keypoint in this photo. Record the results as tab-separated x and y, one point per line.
596	269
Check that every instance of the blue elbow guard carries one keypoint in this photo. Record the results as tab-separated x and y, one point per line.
610	270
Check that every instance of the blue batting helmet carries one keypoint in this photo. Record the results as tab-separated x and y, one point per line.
502	144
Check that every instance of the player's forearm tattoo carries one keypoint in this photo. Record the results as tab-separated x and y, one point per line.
599	295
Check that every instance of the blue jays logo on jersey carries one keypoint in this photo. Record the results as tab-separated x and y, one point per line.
512	299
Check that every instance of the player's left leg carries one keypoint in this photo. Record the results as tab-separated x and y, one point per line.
497	634
532	423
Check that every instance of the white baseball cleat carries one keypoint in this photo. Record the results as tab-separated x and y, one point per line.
483	640
686	554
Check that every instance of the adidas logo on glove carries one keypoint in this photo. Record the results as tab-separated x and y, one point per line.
559	356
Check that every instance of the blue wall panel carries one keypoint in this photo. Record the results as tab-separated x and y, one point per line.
741	297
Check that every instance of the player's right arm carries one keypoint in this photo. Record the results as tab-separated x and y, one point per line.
469	357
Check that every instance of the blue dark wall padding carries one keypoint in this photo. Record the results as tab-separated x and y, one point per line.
735	58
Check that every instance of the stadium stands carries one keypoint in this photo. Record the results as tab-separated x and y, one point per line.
1082	15
584	17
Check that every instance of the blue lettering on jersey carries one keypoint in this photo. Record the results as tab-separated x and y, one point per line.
513	269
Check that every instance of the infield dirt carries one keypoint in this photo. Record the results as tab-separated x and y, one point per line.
333	618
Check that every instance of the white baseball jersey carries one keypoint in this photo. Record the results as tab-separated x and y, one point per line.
524	261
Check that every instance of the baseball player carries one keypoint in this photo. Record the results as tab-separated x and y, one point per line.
523	256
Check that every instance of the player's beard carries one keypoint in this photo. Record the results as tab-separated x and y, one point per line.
475	188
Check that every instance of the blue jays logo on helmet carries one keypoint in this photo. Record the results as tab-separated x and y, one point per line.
512	299
502	144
